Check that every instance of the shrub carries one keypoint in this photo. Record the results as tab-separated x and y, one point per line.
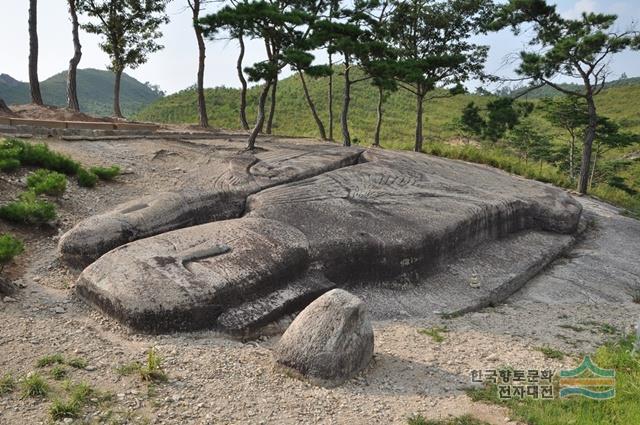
28	209
49	182
106	173
9	248
9	164
40	155
86	178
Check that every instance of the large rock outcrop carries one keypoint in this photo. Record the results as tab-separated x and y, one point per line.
330	341
308	221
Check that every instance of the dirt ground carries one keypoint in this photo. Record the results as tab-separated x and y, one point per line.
215	380
47	112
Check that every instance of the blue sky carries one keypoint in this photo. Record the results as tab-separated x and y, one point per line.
174	68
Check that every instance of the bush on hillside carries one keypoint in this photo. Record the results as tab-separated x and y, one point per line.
48	182
86	178
106	173
28	209
10	247
9	164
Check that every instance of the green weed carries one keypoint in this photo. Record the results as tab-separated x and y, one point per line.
435	333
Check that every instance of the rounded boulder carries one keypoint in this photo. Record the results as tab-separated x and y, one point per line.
330	341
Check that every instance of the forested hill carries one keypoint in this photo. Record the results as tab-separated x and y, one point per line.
95	92
293	117
547	91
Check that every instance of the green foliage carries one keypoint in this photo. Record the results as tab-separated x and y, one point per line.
150	371
9	164
34	385
106	173
28	210
7	384
10	247
129	30
435	333
58	372
64	409
40	155
87	178
48	182
78	363
50	360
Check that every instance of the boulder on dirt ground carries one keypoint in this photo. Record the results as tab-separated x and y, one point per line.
330	341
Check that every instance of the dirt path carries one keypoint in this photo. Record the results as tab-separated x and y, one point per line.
215	380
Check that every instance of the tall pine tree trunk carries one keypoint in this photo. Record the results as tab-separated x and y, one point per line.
34	82
312	107
346	100
419	114
376	138
572	148
251	143
202	106
116	94
272	110
595	163
589	137
330	98
72	85
243	83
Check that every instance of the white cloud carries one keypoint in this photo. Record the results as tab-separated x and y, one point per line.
579	7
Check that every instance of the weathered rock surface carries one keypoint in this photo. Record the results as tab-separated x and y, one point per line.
391	216
330	341
216	192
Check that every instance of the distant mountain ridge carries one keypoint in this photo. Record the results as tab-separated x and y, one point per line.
95	92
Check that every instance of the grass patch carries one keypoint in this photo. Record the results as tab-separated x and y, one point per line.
78	363
106	173
623	409
460	420
7	384
28	210
60	409
150	371
34	385
50	360
435	333
70	408
635	296
87	178
47	182
551	353
58	372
